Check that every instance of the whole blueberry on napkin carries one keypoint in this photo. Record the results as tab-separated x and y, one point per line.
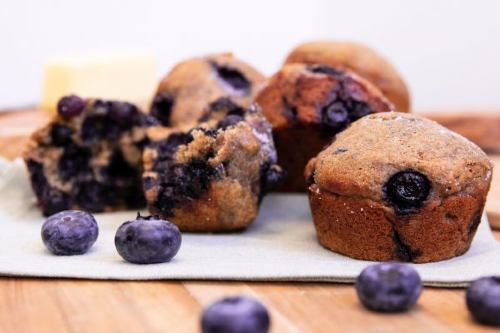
69	232
235	314
483	300
388	287
147	240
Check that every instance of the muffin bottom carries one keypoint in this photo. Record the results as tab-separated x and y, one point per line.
225	206
365	229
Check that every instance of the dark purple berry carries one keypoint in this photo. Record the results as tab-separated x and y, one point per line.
119	172
54	201
93	196
238	314
60	134
407	191
183	183
227	105
70	106
95	128
325	69
359	109
50	200
388	287
271	177
74	160
233	78
123	113
483	300
69	232
162	106
229	121
335	115
147	240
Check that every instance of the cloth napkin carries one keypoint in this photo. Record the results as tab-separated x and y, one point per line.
280	245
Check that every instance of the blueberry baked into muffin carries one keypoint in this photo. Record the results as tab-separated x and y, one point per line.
360	59
184	95
89	156
396	186
213	176
307	105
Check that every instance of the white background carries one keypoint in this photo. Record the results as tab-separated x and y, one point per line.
449	51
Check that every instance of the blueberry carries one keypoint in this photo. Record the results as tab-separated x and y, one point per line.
237	314
99	127
122	113
94	196
69	232
184	182
53	201
388	287
483	300
359	109
227	105
271	177
229	121
335	115
119	172
325	69
147	240
162	106
60	134
407	191
70	106
74	160
233	77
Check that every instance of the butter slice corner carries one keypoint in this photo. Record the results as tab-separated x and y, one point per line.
131	78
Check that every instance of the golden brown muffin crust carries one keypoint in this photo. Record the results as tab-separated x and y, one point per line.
379	145
352	210
360	59
193	84
296	101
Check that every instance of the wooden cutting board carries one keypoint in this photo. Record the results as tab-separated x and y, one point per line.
480	127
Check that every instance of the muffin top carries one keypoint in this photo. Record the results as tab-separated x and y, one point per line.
359	58
382	149
319	94
184	94
230	144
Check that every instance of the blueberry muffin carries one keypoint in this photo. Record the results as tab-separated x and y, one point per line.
89	157
396	186
307	105
184	95
360	59
211	178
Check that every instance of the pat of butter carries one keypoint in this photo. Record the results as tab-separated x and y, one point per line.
131	78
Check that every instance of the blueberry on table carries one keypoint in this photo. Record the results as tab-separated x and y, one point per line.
388	287
483	300
70	106
69	232
238	314
147	240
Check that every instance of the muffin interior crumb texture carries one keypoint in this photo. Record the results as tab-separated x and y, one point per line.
190	174
89	157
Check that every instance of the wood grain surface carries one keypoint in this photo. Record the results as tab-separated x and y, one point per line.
81	306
